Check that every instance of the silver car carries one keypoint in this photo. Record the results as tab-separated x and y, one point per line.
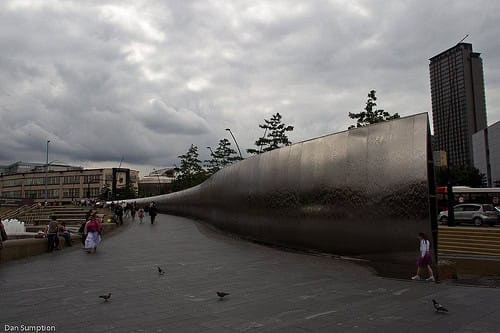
477	214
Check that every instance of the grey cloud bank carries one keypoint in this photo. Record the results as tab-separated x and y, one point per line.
143	80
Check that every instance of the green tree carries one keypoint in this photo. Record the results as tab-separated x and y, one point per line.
222	156
190	171
371	116
461	175
274	135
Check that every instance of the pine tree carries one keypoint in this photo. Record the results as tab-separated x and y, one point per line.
190	172
370	116
222	156
274	135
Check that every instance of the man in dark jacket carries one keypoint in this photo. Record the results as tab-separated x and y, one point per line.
119	212
153	211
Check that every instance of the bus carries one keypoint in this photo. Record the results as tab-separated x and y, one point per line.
465	194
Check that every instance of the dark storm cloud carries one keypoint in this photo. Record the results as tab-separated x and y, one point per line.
142	80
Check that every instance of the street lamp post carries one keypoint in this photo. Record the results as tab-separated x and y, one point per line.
46	169
88	188
451	201
237	146
260	148
214	157
158	176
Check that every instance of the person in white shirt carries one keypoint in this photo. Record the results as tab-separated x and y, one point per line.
425	258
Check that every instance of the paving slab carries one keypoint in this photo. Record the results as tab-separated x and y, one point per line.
271	290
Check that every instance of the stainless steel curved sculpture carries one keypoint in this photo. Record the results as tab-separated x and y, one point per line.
359	192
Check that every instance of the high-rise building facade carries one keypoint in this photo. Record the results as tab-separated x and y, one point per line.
458	101
487	153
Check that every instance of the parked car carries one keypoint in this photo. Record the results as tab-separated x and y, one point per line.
477	214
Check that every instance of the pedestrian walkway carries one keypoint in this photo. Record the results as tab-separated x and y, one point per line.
270	290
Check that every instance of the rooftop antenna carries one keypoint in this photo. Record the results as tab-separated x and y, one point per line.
463	39
121	162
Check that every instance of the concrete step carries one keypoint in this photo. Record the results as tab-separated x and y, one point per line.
65	213
469	229
478	245
468	238
470	246
476	233
465	236
65	216
67	209
68	221
469	251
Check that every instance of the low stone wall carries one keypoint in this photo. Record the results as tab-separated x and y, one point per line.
21	248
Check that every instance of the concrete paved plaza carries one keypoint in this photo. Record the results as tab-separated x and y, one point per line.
271	290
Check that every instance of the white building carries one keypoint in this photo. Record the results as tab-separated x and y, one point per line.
486	149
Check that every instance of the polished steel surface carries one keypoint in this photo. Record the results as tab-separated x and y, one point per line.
359	192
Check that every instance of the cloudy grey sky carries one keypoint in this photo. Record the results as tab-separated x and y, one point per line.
143	80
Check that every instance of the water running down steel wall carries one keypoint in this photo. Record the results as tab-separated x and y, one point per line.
359	192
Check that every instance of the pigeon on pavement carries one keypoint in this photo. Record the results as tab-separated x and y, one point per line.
105	297
222	294
439	307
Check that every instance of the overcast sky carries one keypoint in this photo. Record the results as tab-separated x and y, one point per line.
142	80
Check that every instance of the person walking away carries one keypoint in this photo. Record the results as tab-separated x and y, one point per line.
52	235
425	258
3	234
127	210
119	213
93	233
153	211
81	230
140	213
133	208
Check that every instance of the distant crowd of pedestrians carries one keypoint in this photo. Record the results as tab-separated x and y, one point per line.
123	210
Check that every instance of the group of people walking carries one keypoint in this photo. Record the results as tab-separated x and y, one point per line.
91	228
129	210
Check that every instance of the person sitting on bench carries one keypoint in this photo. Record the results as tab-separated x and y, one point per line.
65	233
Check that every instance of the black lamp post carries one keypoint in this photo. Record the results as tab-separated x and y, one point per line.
88	187
264	137
237	146
451	198
215	158
158	176
46	169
